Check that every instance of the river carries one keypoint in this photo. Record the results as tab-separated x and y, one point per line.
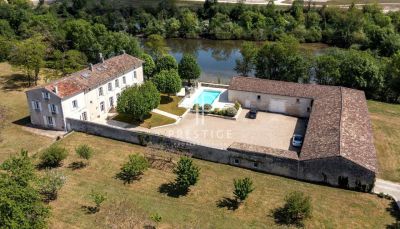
217	57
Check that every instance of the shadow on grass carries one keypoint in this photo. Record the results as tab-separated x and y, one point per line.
394	211
77	165
281	218
26	121
90	209
15	82
165	99
229	203
172	190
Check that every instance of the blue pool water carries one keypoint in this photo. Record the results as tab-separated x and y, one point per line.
206	97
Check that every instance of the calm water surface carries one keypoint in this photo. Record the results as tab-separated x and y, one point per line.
217	58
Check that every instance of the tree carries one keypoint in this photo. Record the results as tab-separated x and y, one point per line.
156	45
282	61
29	55
166	62
50	184
246	64
138	101
188	68
168	81
148	66
70	61
19	168
84	151
327	70
297	208
187	174
20	203
97	198
243	187
53	156
133	169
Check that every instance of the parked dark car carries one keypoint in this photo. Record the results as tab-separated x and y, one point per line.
252	113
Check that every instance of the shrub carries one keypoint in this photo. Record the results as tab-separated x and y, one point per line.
207	107
231	112
237	105
156	217
84	151
97	198
132	169
53	156
187	173
49	185
297	208
243	187
196	107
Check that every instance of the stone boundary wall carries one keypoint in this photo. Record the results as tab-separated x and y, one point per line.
213	85
247	159
263	159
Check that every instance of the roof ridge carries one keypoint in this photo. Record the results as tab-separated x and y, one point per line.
340	121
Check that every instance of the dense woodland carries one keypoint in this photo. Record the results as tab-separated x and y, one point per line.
69	33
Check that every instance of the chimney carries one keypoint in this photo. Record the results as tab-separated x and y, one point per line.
55	89
101	57
123	51
91	67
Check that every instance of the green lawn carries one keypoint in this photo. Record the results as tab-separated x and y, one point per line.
129	205
152	120
386	124
13	112
170	105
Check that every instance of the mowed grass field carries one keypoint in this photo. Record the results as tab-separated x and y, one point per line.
13	110
386	124
130	206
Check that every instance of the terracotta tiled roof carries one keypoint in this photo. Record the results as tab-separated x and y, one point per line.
339	123
87	79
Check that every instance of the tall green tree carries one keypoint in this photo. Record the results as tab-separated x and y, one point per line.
138	101
168	81
282	60
187	174
29	55
149	65
188	68
246	64
20	204
166	62
69	61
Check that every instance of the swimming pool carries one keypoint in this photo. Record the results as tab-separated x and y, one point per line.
206	97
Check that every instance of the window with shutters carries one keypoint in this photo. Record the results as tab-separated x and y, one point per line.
116	83
102	107
110	86
53	108
100	91
36	105
134	75
46	95
50	121
124	80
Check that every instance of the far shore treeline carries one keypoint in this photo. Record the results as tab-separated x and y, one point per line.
67	35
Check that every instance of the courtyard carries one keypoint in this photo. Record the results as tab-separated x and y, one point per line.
268	129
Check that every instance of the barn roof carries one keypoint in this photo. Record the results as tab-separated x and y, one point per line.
339	123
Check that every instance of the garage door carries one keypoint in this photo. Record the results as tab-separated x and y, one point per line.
277	106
